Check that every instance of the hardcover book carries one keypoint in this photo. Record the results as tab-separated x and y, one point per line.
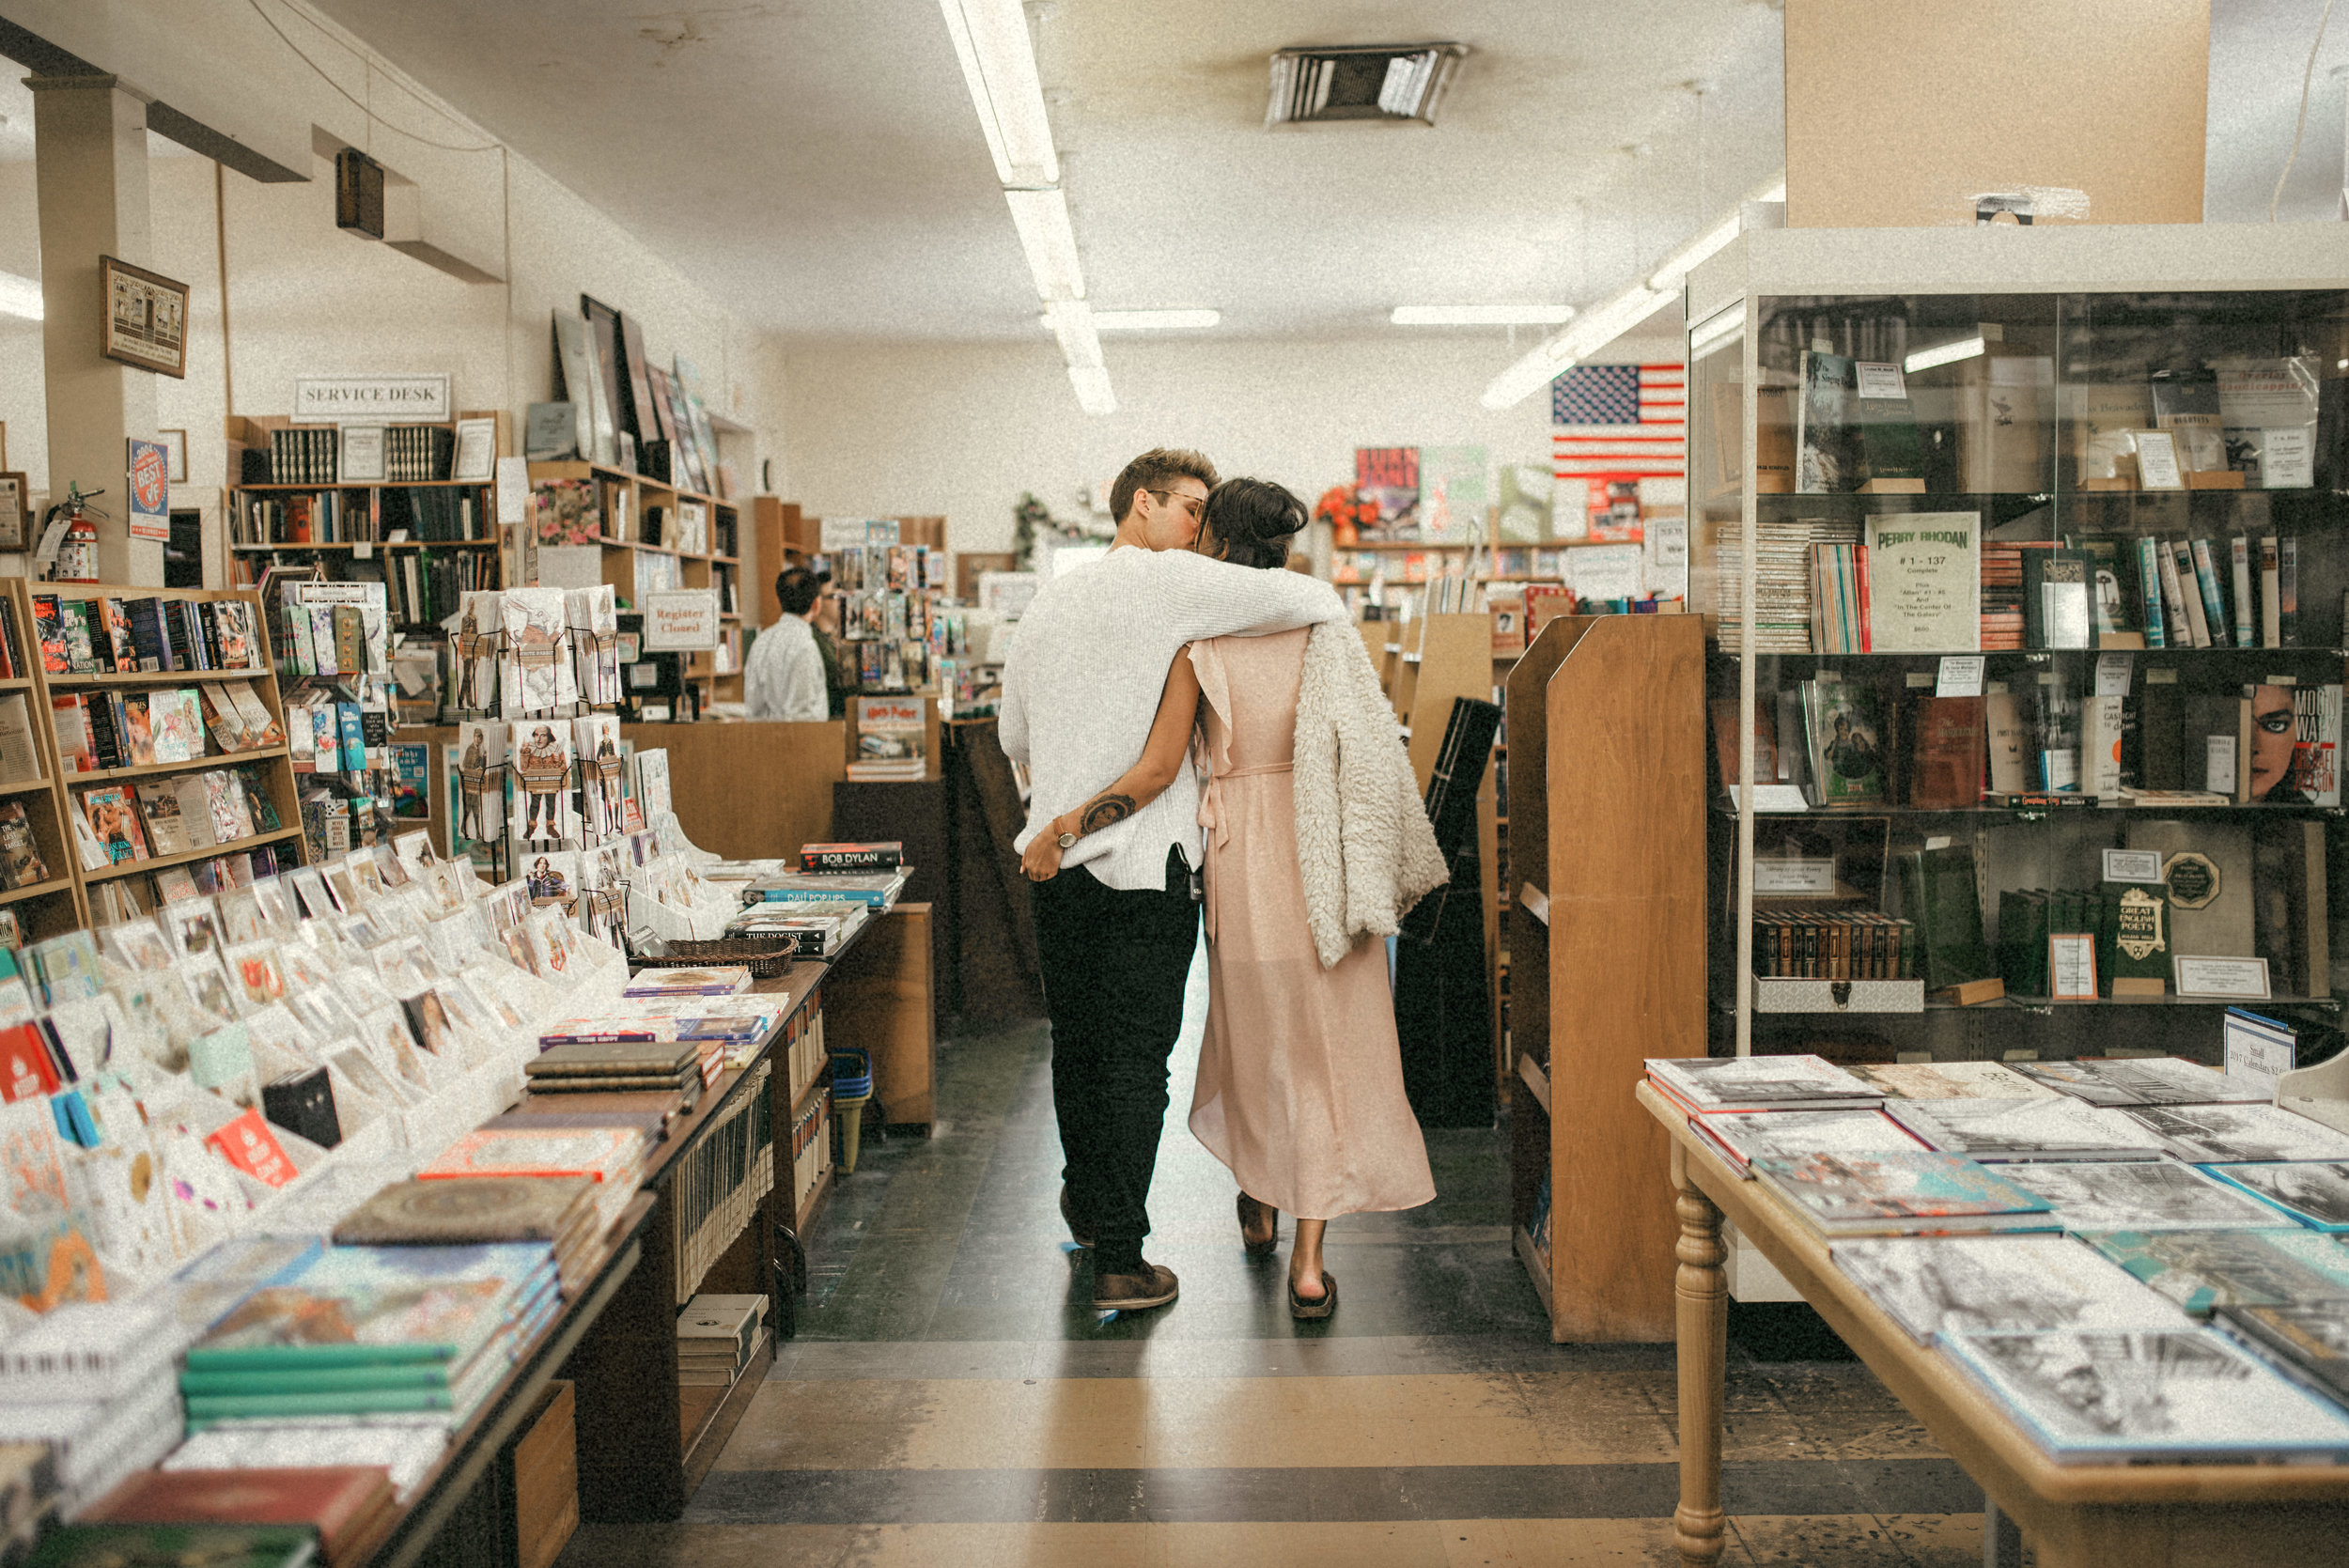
605	1058
358	1306
1940	894
2202	1269
1742	1135
2310	1337
2104	1397
2314	1192
2137	1195
815	858
515	1152
1948	1081
2044	1128
1936	1285
1827	450
1710	1085
1844	730
1946	762
465	1209
1902	1193
2140	1080
2207	1134
118	1546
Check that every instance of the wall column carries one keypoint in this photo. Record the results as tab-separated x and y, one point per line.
89	141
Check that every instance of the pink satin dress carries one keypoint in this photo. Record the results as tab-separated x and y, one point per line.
1301	1081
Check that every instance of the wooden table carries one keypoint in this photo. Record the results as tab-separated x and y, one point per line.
2075	1515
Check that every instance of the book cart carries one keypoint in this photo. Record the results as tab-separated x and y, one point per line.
2064	784
271	766
639	523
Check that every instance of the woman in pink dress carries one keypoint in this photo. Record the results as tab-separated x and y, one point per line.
1301	1079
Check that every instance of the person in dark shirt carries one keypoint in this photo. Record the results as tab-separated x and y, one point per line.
826	625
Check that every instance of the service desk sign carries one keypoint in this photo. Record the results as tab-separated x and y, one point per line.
371	399
147	478
680	620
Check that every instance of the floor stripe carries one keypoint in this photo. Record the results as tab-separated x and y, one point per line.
1319	1493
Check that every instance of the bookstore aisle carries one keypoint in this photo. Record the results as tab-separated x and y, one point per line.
951	1399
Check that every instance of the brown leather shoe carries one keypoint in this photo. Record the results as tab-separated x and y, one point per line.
1068	1217
1154	1286
1253	1214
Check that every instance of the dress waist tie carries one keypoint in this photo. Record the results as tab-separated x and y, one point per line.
1215	818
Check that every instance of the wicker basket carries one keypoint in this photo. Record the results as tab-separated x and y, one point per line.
764	957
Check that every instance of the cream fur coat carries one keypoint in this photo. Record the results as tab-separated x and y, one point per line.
1363	841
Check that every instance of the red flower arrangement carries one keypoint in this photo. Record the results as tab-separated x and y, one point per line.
1344	512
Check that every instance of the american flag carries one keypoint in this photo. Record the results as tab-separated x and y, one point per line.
1610	422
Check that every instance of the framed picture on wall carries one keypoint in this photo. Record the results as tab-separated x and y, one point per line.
144	318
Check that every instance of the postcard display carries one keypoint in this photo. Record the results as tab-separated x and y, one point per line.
2025	679
893	635
195	1097
538	774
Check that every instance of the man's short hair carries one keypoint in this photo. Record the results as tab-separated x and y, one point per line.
1153	469
798	589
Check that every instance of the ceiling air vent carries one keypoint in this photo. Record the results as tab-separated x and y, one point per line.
1389	84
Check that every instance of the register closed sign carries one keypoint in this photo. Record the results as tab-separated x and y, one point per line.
677	620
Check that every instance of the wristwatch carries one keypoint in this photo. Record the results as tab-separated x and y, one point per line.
1068	841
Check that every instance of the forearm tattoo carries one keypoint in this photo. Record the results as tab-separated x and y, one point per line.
1103	809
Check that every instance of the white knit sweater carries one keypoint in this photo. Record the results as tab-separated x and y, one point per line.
1363	842
1087	667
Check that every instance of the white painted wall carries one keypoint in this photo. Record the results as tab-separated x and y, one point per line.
963	430
305	297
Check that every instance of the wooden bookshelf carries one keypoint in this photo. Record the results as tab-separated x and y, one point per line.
1607	802
272	765
57	904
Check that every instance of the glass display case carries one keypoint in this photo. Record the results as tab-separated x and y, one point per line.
2022	558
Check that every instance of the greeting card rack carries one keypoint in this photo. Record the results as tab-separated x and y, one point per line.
133	881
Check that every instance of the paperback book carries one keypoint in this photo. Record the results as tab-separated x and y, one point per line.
1949	1080
1740	1136
1901	1194
2044	1128
2214	1134
1707	1085
2305	1339
2314	1192
2140	1080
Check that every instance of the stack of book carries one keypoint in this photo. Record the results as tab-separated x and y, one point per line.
719	980
820	928
612	1157
305	457
2001	596
561	1211
93	1381
1839	945
877	855
876	889
716	1336
351	1507
1783	596
1839	599
367	1330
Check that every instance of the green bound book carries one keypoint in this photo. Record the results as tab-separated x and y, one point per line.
210	1407
213	1545
216	1383
1940	894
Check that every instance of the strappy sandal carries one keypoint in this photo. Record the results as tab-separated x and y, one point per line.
1308	1310
1253	1214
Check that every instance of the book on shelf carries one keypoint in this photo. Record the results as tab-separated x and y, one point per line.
2004	407
2186	403
1823	945
1842	728
1828	457
1947	755
21	863
1939	894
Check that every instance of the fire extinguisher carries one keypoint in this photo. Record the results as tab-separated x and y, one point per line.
77	549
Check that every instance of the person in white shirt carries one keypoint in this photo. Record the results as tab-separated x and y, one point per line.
1116	927
783	676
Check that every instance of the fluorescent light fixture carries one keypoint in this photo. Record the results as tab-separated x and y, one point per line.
1589	333
1634	304
20	297
1944	353
1481	315
1042	218
1674	269
999	67
1093	389
1144	320
1071	321
1723	326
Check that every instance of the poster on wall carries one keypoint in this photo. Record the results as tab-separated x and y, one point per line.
1454	497
146	471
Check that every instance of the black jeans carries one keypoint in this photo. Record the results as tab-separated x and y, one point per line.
1113	965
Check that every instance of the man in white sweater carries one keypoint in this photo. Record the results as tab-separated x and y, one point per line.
1116	927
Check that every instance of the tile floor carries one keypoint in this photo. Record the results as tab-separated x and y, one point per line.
952	1399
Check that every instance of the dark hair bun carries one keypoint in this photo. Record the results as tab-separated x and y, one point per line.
1253	519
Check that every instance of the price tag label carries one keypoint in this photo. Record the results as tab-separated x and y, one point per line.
1961	675
363	550
2112	675
2218	763
2132	865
